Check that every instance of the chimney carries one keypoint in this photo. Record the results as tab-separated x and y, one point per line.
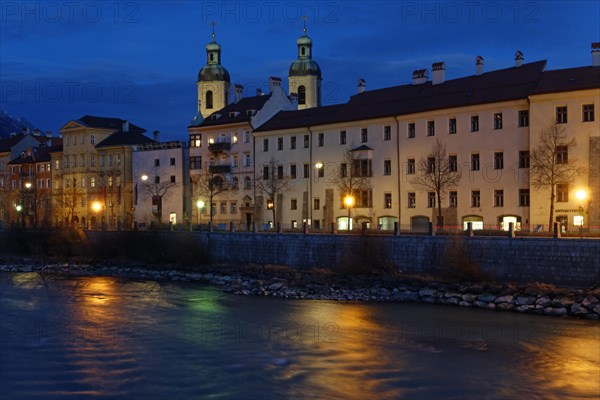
362	85
438	71
156	135
125	127
13	134
238	92
274	82
419	77
519	58
596	54
48	134
478	65
259	92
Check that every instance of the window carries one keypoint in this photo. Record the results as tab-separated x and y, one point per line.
562	154
156	180
306	170
430	128
293	172
474	162
235	161
412	200
247	159
452	199
498	121
265	144
364	199
82	160
561	115
92	139
246	136
66	140
343	170
411	130
293	142
499	198
74	140
110	180
523	118
223	207
562	192
452	126
301	95
364	135
195	140
361	168
82	181
321	172
523	197
316	204
265	172
236	183
171	161
74	161
475	198
474	123
431	199
410	166
74	182
387	132
280	143
387	167
209	99
430	165
247	183
172	178
524	159
233	207
306	141
588	112
387	200
280	172
342	137
66	183
293	204
499	160
156	161
92	182
453	163
321	140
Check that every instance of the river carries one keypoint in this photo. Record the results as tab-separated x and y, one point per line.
108	338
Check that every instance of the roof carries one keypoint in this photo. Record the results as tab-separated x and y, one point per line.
215	72
121	138
564	80
7	143
240	110
107	123
42	154
495	86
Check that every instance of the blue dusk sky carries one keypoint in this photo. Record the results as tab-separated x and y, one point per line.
139	60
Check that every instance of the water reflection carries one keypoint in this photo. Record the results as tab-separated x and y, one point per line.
109	338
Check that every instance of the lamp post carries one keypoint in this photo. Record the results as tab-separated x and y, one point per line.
96	207
349	202
581	195
19	208
200	206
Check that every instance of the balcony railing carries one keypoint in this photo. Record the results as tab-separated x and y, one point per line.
219	146
219	169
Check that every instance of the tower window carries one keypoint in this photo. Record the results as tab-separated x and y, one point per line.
212	57
303	51
209	99
301	95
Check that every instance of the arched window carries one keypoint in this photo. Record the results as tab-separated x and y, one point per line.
247	183
301	95
303	51
209	99
211	56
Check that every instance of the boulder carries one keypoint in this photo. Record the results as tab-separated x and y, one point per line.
524	300
486	297
504	299
555	311
543	301
425	292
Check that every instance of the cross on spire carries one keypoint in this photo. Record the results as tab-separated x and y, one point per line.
213	23
304	19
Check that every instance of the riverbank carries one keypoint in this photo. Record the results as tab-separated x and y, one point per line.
322	284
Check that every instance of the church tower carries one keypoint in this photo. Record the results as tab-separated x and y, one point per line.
305	75
213	81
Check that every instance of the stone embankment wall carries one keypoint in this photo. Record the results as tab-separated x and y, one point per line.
562	262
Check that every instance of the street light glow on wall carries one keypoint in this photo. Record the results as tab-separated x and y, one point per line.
144	177
200	206
349	202
96	206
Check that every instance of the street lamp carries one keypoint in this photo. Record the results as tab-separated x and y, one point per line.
349	202
96	207
581	195
319	167
200	206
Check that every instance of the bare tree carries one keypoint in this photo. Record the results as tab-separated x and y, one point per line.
210	185
550	163
272	182
353	177
159	191
437	173
67	200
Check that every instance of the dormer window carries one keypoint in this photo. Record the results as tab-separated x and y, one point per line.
233	114
250	113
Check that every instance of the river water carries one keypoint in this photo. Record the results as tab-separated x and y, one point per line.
106	338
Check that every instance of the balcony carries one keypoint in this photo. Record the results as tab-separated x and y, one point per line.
219	146
219	169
